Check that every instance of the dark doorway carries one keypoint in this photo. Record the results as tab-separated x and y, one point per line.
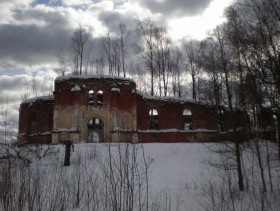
95	130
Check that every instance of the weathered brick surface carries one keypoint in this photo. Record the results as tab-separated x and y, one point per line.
123	115
42	110
170	114
73	111
173	137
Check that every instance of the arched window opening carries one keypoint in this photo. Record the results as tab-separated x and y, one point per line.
221	111
100	98
91	98
153	113
95	123
274	121
95	130
221	120
33	123
187	118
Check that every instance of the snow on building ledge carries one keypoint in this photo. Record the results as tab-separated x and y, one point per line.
38	99
66	130
178	131
90	77
129	116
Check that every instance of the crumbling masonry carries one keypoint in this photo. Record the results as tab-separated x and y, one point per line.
110	109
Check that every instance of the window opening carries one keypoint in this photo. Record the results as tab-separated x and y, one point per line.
95	130
94	123
221	120
100	98
33	124
274	120
93	137
153	113
187	118
91	98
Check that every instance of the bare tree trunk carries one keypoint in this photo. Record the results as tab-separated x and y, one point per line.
233	114
78	42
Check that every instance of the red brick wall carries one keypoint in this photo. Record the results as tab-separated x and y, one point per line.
124	100
43	109
170	114
170	137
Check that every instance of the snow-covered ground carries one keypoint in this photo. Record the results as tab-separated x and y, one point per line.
157	176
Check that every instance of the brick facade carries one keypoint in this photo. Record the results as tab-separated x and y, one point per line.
105	108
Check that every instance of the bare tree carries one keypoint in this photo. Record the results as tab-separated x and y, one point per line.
162	47
145	48
63	67
123	36
257	24
192	51
106	46
4	114
100	65
176	71
208	62
78	42
224	62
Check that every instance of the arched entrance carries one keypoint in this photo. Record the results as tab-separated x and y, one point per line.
95	130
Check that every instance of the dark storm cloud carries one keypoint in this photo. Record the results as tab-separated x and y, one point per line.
176	8
30	43
113	19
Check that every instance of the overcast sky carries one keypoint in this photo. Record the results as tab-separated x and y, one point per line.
32	32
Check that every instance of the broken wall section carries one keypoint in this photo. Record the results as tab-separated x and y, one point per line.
94	108
166	119
36	120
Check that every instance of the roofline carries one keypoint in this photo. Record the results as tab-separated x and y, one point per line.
38	99
89	77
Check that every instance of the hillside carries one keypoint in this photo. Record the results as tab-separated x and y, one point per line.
135	177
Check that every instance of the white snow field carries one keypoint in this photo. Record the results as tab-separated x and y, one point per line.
152	176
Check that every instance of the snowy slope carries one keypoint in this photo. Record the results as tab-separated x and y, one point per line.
178	178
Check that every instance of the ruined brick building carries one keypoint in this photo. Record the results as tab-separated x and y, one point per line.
106	108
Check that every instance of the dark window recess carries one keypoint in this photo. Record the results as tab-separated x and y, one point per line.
100	98
95	130
95	123
221	120
91	98
153	114
187	119
33	124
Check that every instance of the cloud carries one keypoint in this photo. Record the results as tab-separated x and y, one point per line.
112	19
33	31
16	87
13	89
176	8
13	83
34	37
30	44
8	7
76	3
